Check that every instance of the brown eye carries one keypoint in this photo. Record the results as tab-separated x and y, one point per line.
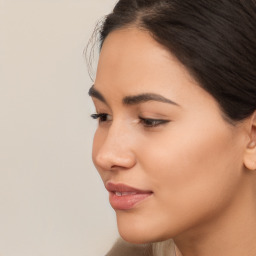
102	117
149	122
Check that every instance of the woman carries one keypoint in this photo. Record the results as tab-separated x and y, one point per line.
175	96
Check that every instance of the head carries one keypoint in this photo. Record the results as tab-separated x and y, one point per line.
175	94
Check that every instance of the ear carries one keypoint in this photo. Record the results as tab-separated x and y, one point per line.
250	151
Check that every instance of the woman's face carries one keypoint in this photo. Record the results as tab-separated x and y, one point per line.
161	133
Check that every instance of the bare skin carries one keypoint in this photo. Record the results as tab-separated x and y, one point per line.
200	168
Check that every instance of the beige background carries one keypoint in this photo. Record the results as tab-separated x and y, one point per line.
52	201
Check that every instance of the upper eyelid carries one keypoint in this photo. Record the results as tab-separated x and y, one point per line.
99	115
103	107
140	117
148	123
153	119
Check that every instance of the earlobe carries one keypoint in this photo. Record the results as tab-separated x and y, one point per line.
250	152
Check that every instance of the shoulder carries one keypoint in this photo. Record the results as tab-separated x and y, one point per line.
122	248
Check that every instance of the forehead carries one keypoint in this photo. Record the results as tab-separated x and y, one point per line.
132	57
133	40
129	48
131	62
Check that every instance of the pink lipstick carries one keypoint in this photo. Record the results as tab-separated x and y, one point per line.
123	197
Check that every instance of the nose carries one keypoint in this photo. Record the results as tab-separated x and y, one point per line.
113	149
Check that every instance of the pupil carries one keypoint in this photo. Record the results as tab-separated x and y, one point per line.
149	122
104	118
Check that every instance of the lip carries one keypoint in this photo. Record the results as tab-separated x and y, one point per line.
130	196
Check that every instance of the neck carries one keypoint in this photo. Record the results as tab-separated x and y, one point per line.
233	233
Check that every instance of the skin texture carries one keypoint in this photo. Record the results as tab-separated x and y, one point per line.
203	195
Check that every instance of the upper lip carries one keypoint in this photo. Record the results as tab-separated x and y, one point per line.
119	187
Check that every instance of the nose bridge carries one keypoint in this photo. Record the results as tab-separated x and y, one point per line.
117	150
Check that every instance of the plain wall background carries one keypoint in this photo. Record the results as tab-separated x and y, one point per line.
52	201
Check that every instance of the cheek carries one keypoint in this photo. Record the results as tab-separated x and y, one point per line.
193	174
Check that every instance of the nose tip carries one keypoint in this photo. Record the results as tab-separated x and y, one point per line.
113	151
114	147
109	159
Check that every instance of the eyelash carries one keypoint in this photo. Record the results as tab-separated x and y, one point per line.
146	122
102	117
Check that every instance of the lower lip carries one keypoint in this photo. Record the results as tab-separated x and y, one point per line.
126	202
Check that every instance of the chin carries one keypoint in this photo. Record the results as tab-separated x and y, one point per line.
135	237
136	230
141	238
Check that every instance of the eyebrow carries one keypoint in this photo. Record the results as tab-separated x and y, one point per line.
144	97
96	94
134	99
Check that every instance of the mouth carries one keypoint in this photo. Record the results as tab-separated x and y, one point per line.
123	197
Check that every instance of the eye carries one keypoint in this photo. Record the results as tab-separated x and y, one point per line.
149	122
102	117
